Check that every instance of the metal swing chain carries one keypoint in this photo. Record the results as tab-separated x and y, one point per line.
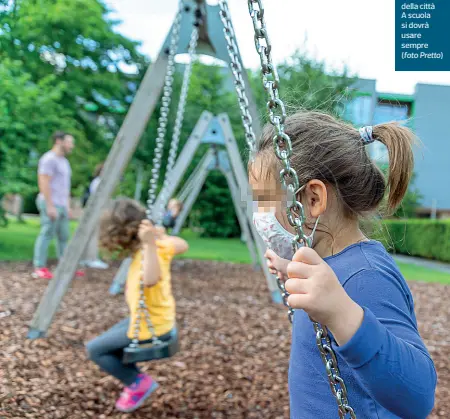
236	68
178	120
164	113
289	178
156	163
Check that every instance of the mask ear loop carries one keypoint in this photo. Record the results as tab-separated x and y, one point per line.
308	239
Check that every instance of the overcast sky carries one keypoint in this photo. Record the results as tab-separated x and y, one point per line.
358	33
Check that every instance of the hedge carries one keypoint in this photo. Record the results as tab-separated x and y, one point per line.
429	239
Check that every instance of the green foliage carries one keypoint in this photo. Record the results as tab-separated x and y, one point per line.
416	237
217	214
306	84
24	127
57	57
411	202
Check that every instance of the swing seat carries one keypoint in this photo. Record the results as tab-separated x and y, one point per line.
148	351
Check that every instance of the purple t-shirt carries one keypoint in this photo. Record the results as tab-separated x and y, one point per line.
58	168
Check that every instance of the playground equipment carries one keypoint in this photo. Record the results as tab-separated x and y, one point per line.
223	155
209	22
214	39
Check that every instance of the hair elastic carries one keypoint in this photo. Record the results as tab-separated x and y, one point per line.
366	134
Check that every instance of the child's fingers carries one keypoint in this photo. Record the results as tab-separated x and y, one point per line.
308	256
299	301
299	270
297	286
270	254
146	223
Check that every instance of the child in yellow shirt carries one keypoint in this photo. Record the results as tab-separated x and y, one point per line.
125	228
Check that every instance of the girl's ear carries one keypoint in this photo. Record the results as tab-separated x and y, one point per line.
316	197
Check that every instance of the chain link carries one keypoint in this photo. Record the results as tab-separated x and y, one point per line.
178	121
142	310
237	70
289	178
164	113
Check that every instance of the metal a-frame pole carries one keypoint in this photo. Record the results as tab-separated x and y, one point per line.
225	168
247	200
185	158
188	185
192	197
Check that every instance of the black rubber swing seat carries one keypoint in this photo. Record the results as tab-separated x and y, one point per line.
148	351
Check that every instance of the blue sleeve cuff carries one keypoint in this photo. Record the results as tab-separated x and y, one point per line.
365	343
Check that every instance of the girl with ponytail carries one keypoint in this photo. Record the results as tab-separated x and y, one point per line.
344	281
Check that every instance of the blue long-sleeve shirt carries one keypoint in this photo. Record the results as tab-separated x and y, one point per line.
386	367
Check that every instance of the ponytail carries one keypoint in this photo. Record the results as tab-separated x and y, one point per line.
398	141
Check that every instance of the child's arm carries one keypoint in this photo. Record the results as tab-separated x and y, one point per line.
151	267
179	245
387	352
371	318
152	270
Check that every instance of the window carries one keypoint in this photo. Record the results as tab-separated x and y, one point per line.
358	110
388	111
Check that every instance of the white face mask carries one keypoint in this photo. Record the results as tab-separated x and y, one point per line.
273	234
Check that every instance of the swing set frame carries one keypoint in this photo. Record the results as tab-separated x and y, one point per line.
211	42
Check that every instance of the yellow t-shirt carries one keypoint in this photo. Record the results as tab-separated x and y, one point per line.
158	298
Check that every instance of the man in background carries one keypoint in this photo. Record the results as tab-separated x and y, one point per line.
53	202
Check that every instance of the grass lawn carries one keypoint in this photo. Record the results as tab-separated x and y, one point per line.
16	244
17	240
419	273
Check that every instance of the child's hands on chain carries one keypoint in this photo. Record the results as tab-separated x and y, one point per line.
147	232
315	288
276	264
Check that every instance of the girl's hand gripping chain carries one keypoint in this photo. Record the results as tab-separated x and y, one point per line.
315	288
147	232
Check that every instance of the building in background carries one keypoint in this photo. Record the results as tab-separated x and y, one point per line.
427	113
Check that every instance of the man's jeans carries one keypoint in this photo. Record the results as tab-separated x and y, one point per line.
49	229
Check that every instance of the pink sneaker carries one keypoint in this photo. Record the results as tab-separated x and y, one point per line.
42	273
79	274
134	396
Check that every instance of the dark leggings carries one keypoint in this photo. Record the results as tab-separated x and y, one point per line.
106	351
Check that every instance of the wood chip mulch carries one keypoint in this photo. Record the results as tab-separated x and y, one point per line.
234	357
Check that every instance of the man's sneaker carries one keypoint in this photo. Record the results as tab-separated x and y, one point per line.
42	273
95	264
134	396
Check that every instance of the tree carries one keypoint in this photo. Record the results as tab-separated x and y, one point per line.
24	128
306	84
78	74
72	47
